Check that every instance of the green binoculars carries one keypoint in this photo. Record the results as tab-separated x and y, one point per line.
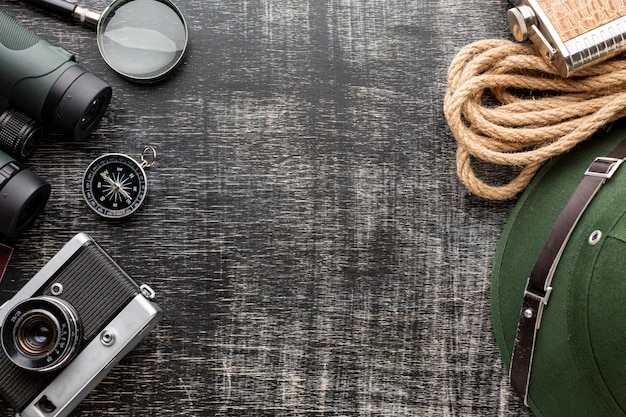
41	88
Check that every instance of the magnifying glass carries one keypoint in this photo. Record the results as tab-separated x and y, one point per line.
142	40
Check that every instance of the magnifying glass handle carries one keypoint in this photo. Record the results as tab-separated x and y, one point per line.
60	7
68	10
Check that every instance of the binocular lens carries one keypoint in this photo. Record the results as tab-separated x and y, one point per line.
41	334
77	101
92	114
23	195
30	210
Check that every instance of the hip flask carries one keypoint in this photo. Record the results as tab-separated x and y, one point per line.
570	34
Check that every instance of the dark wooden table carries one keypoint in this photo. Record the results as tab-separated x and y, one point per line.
305	231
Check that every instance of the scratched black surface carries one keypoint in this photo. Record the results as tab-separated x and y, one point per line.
305	231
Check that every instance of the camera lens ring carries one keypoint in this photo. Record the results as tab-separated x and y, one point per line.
41	334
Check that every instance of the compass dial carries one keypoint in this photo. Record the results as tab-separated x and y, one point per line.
114	185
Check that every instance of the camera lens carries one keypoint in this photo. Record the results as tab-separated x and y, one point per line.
41	334
37	333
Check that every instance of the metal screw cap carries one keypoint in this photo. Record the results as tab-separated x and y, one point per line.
521	19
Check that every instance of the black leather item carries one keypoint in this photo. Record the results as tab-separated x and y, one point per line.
538	288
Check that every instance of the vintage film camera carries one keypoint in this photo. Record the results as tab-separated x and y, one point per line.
67	327
571	35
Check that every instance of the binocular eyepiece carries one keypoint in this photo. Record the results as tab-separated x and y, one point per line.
41	88
19	134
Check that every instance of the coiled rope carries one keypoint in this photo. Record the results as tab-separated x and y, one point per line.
505	105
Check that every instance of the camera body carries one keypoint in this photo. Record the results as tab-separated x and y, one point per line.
67	327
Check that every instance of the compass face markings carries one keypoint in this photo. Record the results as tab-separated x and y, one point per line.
114	185
120	189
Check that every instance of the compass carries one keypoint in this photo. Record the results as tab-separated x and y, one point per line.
115	185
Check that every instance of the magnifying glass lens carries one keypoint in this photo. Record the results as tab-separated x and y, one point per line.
142	40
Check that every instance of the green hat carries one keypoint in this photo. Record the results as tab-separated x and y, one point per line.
577	360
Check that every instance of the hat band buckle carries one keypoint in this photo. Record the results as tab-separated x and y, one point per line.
610	164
